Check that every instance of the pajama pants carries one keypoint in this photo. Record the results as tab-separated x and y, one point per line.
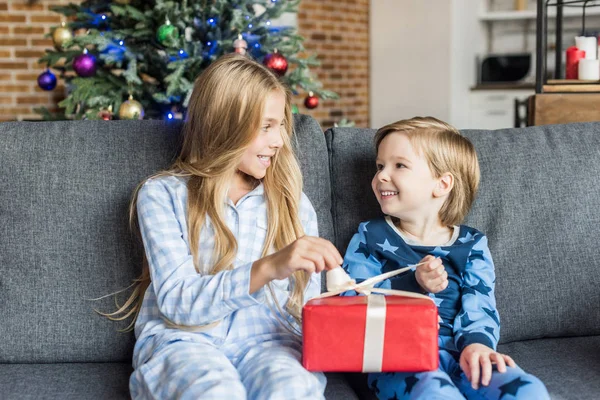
191	370
449	382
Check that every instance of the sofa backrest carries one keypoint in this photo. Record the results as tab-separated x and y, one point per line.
538	203
65	188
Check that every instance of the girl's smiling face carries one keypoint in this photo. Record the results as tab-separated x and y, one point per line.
258	156
403	183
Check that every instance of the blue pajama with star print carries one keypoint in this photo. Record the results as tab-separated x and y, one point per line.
467	308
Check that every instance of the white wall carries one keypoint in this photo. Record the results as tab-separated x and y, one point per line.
468	40
410	59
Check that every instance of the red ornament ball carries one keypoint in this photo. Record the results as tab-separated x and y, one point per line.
311	102
276	63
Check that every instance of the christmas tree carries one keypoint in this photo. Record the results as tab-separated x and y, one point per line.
139	58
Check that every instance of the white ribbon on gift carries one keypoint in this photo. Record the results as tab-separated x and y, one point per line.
338	281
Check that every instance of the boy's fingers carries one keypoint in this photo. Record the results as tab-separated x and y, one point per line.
433	265
509	361
500	364
465	367
486	370
475	370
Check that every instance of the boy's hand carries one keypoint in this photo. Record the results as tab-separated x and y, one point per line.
476	361
432	276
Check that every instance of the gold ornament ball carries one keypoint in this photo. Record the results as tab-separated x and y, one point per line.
131	109
60	36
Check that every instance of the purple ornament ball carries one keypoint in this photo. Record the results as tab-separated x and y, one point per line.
47	80
84	65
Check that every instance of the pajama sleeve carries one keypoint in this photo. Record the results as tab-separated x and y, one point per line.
478	320
359	263
362	263
308	216
184	296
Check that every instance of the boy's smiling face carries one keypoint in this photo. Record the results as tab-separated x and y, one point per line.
404	184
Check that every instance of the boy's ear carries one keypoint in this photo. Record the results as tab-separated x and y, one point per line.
444	185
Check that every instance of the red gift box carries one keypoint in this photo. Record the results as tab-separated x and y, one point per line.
402	334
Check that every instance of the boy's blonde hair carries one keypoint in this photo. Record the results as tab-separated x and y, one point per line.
224	116
446	151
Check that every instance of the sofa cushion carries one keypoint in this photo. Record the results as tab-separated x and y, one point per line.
69	381
562	364
538	203
97	381
568	366
64	237
352	166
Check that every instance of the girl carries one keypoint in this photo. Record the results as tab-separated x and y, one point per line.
228	266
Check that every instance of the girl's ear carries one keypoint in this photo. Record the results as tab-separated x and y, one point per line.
444	185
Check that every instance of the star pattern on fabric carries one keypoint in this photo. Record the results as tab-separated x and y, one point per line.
386	246
491	331
395	397
443	382
437	300
362	249
469	237
410	382
439	252
492	314
465	320
374	386
468	290
482	288
512	387
477	255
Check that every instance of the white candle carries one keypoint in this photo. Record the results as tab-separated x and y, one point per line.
589	70
588	44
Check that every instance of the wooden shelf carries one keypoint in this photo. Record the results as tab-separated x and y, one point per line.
568	12
573	87
563	108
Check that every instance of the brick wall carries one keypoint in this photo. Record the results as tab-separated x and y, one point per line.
337	30
23	25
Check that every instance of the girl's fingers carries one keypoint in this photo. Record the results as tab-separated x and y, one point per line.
500	364
486	370
327	249
317	258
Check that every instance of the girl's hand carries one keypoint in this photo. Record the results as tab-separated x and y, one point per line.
476	361
308	253
432	276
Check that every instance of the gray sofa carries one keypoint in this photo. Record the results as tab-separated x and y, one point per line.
64	239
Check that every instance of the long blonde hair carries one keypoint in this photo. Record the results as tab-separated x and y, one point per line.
445	150
224	116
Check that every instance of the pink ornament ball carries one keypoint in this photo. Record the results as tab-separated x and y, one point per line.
84	65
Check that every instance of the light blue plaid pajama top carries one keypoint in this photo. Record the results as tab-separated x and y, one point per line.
180	294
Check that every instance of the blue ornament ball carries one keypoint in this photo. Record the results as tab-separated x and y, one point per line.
47	80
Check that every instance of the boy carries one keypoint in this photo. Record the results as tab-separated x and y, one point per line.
426	180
